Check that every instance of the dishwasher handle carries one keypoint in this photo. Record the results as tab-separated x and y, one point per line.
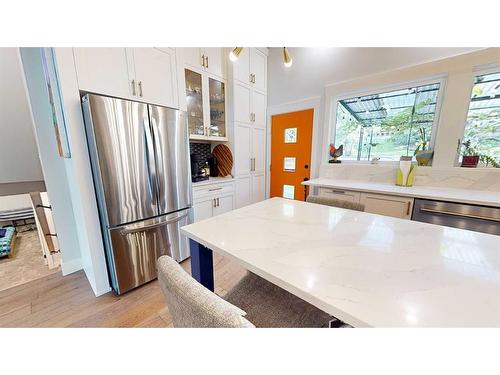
451	213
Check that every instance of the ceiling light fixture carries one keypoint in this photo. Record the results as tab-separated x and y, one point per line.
235	53
287	59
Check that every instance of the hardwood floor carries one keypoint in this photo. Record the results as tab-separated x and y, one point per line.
57	301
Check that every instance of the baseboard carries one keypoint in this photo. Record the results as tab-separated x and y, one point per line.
71	266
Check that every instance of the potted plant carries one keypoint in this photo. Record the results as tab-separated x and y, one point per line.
470	155
422	153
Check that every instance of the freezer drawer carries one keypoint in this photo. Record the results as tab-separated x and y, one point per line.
136	247
458	215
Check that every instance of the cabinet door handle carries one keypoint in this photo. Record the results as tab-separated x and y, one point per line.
134	93
253	76
250	77
408	208
203	60
206	61
217	202
213	203
140	88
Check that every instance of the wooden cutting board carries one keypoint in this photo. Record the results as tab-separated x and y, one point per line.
224	158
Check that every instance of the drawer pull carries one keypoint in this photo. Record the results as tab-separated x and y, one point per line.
338	191
215	189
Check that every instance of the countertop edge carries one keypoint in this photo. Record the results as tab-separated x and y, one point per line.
217	180
386	189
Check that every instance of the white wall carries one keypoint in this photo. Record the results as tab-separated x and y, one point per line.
319	71
79	174
53	166
19	159
458	73
313	68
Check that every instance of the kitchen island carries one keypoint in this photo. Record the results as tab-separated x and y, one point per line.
367	270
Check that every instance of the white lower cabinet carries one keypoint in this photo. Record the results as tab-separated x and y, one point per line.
340	194
388	205
382	204
203	209
243	191
212	200
258	187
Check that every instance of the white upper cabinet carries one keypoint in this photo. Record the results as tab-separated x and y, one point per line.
192	58
210	60
243	147
259	69
155	72
251	68
242	103
103	71
259	104
215	61
144	74
259	149
241	67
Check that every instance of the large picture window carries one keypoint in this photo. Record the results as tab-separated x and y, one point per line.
482	128
387	125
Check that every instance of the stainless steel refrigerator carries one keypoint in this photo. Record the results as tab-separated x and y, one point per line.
139	155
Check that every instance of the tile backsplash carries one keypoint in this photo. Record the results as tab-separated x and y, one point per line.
203	149
456	177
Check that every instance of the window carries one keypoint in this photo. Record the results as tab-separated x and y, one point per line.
386	125
483	119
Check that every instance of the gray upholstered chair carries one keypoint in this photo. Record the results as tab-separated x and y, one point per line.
335	203
266	305
191	305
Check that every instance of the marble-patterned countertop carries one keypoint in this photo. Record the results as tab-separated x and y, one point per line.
365	269
486	198
213	180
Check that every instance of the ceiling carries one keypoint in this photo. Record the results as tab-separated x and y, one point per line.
313	68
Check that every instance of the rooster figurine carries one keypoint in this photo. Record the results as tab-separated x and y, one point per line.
336	153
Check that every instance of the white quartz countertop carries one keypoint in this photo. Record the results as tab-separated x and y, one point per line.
486	198
365	269
214	180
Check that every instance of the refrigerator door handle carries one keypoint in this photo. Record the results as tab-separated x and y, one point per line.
158	149
133	228
150	157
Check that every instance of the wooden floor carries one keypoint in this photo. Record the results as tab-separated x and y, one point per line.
57	301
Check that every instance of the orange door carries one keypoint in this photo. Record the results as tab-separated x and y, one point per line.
291	135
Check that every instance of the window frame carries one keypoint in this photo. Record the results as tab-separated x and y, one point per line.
477	71
334	100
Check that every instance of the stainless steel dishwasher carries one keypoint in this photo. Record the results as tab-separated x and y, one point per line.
458	215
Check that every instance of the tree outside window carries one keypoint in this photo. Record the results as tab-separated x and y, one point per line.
386	125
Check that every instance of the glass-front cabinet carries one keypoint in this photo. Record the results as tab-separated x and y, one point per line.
206	106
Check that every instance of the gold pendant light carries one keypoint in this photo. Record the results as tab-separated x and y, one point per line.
287	59
235	53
